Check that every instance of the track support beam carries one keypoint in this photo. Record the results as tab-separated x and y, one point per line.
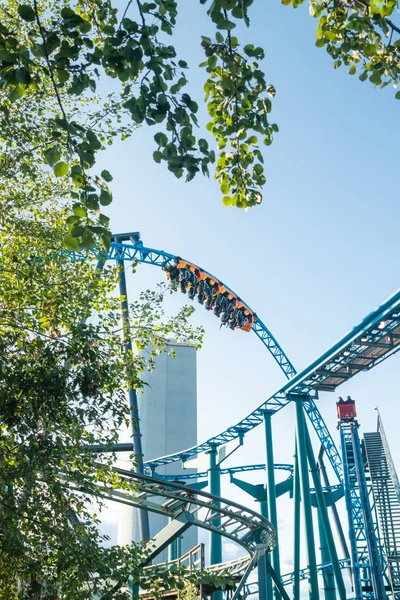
237	595
258	492
327	572
215	489
296	533
305	495
334	510
144	529
168	535
271	495
264	582
324	520
277	580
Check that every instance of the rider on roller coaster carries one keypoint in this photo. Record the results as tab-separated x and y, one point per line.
210	292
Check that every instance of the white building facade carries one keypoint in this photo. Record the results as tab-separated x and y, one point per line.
168	424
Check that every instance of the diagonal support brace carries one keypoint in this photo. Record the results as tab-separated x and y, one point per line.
243	580
169	534
277	580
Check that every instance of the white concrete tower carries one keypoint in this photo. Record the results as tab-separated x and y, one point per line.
168	423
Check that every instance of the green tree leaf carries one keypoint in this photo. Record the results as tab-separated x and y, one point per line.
52	155
105	197
71	242
26	12
106	175
369	49
17	93
60	169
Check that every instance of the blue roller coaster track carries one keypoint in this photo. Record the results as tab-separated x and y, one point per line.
367	344
373	340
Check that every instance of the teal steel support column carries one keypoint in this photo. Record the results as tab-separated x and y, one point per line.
144	529
215	489
214	475
323	515
348	482
258	492
134	589
327	572
172	548
305	497
277	581
296	529
339	529
173	551
271	496
264	579
264	509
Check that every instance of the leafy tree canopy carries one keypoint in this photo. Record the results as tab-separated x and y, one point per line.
63	376
54	53
63	371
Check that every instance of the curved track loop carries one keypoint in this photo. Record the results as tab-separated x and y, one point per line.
227	471
159	258
366	345
244	469
130	252
241	525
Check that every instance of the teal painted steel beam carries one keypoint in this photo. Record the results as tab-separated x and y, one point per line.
305	497
330	496
171	532
296	526
144	529
336	518
372	541
264	581
324	517
198	485
237	595
258	492
284	486
277	580
215	490
224	471
271	497
100	448
352	503
327	572
172	549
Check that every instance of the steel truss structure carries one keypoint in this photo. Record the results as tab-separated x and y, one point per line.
373	340
386	500
241	525
367	563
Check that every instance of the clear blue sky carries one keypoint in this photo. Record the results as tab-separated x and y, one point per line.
320	252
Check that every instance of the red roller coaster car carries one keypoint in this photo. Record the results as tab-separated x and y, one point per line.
346	409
